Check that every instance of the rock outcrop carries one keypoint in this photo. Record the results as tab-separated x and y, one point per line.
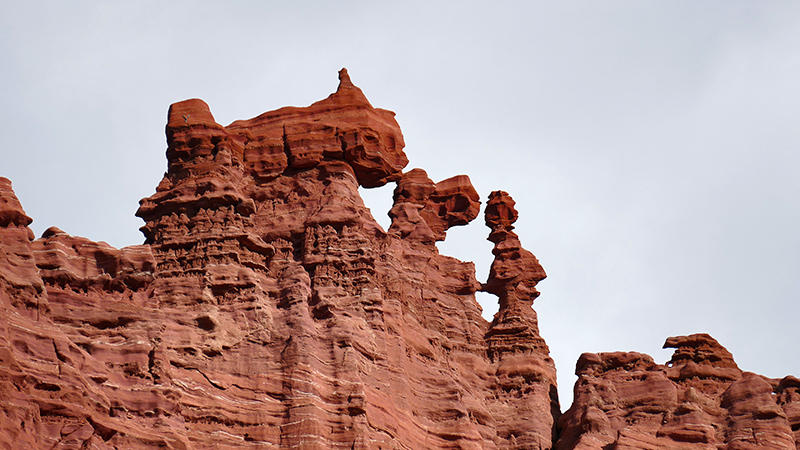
700	399
424	210
527	374
267	309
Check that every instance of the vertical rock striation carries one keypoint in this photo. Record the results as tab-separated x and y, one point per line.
267	309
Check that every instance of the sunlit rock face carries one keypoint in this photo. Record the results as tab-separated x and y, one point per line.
267	309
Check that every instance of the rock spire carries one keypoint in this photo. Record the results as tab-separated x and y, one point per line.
266	309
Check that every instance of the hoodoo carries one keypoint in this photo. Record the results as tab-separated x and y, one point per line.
267	309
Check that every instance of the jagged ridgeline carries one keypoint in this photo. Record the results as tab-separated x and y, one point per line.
268	310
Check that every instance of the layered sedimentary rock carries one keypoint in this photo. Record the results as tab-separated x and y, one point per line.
268	310
700	399
527	374
424	210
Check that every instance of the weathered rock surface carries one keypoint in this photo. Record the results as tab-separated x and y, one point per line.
527	373
700	399
267	309
423	211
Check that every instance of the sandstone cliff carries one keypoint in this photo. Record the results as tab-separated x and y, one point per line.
267	309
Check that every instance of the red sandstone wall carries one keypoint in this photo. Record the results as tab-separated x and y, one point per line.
268	310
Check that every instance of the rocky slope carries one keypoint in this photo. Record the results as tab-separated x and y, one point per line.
268	310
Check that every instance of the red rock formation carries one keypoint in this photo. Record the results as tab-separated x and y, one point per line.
423	211
700	399
267	309
18	272
526	373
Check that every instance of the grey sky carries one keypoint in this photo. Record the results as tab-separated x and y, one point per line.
652	147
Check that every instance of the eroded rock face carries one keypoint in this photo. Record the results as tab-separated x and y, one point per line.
267	309
527	374
423	210
700	399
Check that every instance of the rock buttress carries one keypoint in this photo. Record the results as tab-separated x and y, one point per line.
267	309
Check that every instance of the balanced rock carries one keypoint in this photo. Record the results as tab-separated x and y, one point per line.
525	370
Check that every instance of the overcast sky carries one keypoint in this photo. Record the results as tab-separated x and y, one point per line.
652	147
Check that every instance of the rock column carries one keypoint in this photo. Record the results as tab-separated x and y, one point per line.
526	375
